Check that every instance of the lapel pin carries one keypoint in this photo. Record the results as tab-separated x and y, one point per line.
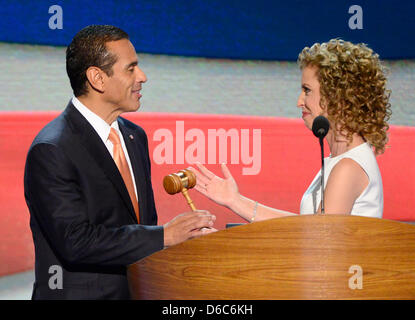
131	137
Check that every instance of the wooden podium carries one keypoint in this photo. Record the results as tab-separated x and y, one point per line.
302	257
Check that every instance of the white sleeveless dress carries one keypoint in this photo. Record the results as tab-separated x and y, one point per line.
369	203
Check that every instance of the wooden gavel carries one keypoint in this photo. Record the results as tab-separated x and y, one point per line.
180	182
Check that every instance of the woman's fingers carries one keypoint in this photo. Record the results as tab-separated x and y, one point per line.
201	189
205	171
201	179
226	173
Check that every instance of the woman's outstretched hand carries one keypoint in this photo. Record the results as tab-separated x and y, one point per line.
222	191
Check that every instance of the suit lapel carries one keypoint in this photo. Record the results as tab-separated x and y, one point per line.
98	151
135	153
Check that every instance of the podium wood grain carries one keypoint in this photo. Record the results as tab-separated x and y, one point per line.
302	257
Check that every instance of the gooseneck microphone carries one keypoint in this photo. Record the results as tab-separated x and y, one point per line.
320	129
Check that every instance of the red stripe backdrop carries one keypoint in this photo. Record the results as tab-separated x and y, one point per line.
272	159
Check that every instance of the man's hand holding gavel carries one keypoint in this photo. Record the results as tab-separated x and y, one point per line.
189	224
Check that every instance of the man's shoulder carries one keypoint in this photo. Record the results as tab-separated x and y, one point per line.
62	132
53	132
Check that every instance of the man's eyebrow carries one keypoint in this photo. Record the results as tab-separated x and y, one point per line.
132	64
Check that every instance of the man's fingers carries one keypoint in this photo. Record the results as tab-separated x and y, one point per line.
203	222
187	225
196	220
199	221
208	230
201	232
195	215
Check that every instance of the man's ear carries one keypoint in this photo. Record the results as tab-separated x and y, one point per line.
95	78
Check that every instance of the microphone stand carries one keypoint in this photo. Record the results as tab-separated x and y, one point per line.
322	174
320	129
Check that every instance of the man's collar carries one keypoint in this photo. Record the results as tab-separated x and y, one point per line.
99	124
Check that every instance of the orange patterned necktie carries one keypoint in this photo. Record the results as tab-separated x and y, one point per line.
121	162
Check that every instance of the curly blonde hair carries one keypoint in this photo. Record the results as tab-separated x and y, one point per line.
352	88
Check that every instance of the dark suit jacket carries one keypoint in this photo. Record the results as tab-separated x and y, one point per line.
81	215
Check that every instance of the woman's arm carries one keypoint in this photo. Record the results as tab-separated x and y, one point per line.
225	192
345	184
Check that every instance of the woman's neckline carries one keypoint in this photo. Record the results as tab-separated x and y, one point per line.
341	154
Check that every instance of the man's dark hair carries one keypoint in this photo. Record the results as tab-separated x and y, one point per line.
88	49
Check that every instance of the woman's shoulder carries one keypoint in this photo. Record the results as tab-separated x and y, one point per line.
347	168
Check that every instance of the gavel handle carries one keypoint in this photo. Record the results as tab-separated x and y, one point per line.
189	201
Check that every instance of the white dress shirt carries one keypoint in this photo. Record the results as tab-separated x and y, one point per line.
103	130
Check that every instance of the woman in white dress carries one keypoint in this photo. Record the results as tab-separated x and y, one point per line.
346	83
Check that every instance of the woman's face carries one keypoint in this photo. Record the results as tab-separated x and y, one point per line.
309	99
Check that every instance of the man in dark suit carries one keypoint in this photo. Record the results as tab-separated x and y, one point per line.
88	220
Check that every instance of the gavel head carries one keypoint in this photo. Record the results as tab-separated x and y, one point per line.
175	182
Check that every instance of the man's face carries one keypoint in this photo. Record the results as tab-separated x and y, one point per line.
122	89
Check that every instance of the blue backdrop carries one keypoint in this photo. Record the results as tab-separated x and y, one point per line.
255	29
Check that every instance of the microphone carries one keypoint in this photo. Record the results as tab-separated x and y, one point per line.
320	129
